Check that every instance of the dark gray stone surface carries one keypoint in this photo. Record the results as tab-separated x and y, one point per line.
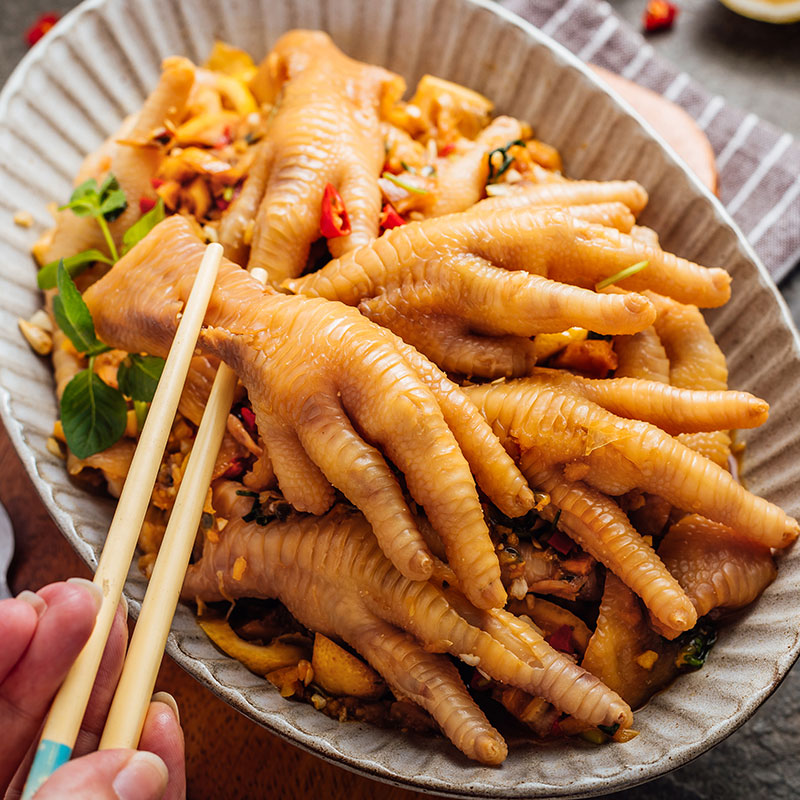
758	67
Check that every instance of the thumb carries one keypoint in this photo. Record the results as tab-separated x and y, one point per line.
108	775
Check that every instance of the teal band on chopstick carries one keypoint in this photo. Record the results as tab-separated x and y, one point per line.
49	757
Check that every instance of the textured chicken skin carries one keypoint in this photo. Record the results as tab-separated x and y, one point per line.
555	427
641	355
320	376
695	362
332	576
717	568
133	166
325	130
484	282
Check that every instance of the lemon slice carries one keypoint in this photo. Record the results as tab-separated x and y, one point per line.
767	10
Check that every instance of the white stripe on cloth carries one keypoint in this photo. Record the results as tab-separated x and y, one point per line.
560	17
674	90
643	55
737	140
601	36
758	174
715	105
775	213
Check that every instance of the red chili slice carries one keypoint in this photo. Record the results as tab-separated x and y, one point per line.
390	218
249	420
40	28
156	182
146	204
235	470
561	639
334	220
561	542
447	149
659	15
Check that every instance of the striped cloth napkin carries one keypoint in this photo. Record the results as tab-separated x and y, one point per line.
759	166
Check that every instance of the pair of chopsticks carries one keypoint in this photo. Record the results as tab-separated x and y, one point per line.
128	709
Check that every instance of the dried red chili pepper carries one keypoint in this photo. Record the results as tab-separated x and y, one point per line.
146	204
334	220
659	15
560	542
40	28
561	639
390	218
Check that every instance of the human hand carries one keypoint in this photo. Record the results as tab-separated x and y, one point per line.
42	634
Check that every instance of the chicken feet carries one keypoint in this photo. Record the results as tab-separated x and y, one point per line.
469	289
332	576
325	130
329	388
558	426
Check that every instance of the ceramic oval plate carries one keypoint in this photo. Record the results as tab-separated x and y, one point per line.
73	89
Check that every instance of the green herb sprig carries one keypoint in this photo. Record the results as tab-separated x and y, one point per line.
93	414
105	203
409	187
621	275
697	644
506	160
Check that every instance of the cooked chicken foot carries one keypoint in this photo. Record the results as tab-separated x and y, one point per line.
498	278
332	576
558	427
132	165
325	130
320	377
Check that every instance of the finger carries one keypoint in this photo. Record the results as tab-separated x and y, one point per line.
361	474
105	684
18	619
99	701
162	735
25	695
108	775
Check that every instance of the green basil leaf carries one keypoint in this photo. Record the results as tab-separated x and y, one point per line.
113	205
72	315
48	274
93	414
82	207
141	408
137	376
85	190
143	226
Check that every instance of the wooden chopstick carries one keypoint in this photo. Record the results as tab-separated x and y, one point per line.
64	720
135	688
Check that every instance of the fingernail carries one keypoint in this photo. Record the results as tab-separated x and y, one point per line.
167	699
33	599
123	601
144	777
93	589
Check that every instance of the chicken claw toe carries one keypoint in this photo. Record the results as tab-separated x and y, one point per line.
334	395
